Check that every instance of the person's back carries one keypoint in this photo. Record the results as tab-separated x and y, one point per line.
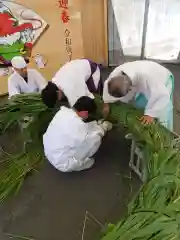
70	69
71	79
77	78
71	140
65	132
143	69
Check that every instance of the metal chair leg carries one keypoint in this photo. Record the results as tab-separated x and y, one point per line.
137	163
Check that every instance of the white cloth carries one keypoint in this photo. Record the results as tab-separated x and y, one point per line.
96	77
105	125
69	143
18	62
72	77
148	78
17	85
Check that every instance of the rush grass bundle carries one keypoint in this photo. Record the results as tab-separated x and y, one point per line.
16	168
22	105
154	213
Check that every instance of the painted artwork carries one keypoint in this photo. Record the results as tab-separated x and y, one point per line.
20	28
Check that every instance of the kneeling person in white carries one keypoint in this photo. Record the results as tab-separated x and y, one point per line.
70	141
24	80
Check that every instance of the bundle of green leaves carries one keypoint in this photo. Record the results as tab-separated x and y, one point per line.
154	212
15	169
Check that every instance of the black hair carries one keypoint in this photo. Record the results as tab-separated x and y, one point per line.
85	104
50	94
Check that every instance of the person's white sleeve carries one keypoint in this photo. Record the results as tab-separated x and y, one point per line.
91	143
82	159
13	88
96	77
40	80
86	140
90	146
158	100
74	164
95	127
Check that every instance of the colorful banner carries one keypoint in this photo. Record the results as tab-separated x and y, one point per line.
20	28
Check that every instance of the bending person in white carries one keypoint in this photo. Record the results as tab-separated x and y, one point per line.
70	142
24	80
149	85
77	78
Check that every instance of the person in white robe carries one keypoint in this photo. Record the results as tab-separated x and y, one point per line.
146	84
70	140
24	80
77	78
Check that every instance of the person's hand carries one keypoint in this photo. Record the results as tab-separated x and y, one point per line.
99	122
106	109
146	120
106	126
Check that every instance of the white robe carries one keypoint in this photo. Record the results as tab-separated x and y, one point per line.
69	142
149	79
17	85
72	77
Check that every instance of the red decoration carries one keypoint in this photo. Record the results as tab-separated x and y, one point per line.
7	25
63	4
28	45
65	17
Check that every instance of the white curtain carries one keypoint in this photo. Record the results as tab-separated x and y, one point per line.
163	31
129	15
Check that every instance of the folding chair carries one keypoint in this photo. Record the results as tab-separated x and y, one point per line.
137	162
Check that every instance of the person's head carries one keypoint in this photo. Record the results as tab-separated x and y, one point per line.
20	66
119	86
51	94
85	107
